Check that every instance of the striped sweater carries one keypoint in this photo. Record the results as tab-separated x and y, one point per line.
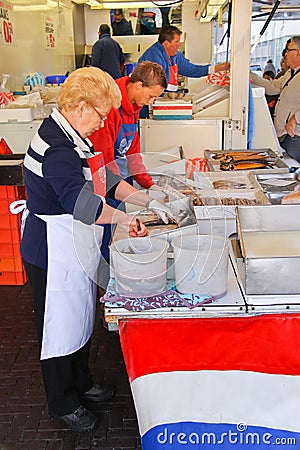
56	175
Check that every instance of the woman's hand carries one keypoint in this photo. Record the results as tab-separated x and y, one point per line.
137	228
134	227
161	210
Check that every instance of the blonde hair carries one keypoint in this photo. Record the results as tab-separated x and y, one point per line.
89	84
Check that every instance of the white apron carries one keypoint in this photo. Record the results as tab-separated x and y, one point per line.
72	274
73	259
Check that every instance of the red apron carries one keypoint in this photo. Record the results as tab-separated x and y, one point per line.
97	166
173	81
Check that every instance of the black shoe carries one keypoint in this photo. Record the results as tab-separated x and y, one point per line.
80	420
98	393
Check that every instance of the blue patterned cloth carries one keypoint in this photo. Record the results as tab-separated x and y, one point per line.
167	299
35	79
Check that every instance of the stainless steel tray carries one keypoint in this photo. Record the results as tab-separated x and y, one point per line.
262	302
269	240
268	218
276	186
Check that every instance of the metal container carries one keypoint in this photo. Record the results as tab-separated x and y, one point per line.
269	240
218	214
276	186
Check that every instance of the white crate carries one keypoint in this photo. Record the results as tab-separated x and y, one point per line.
16	115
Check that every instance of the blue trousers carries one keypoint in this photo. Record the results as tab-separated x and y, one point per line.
292	146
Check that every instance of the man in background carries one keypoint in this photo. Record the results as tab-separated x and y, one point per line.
270	68
166	53
287	109
283	64
107	53
121	26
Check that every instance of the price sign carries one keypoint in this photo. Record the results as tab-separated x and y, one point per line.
49	32
6	23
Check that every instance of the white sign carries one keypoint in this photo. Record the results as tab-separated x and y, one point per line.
49	32
6	23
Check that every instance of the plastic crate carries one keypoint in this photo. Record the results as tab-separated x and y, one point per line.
10	221
10	235
8	250
9	194
13	278
12	192
11	264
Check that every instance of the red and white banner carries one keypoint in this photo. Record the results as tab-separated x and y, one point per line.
215	382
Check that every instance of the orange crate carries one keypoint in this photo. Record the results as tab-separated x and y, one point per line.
11	264
5	204
9	194
8	250
12	235
10	220
12	192
13	278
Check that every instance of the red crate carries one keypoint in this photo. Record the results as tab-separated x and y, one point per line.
9	194
8	191
5	205
13	278
12	235
9	249
10	221
12	192
11	264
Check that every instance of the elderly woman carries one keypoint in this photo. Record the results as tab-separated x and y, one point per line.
66	184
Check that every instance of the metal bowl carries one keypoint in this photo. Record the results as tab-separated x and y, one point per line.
174	95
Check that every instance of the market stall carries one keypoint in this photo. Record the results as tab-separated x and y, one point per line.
224	371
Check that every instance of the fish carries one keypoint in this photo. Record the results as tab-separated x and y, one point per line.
243	166
239	154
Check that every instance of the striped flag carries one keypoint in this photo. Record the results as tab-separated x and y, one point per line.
226	383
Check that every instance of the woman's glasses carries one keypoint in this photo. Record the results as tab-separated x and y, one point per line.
102	118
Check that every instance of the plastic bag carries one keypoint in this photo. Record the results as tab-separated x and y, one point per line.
191	165
221	78
6	96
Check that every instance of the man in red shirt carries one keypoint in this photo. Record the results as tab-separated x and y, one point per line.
119	140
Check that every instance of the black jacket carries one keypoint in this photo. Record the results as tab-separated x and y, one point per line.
107	55
122	28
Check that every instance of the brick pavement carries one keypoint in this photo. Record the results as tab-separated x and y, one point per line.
24	421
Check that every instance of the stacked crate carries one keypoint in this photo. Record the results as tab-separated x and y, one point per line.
12	271
164	109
